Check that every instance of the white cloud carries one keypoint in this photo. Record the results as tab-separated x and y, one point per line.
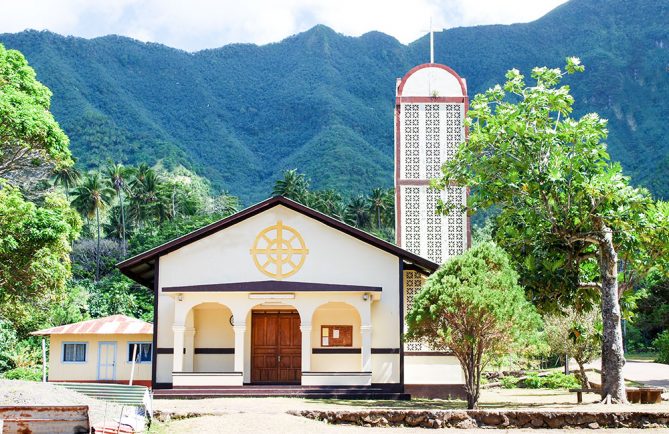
197	24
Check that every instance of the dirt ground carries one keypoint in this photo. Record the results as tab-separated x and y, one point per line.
15	392
268	415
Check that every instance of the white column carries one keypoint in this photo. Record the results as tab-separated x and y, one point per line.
240	332
189	346
366	332
306	347
178	356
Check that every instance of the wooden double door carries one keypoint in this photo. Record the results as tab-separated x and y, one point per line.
276	347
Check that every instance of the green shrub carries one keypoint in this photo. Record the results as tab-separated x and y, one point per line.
533	381
28	374
554	380
509	382
661	344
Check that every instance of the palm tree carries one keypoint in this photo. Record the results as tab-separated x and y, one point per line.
328	201
117	176
145	201
358	211
226	204
140	174
378	203
91	196
67	177
294	185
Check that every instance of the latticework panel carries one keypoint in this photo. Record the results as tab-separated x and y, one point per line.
411	141
455	223
433	159
428	234
413	281
430	135
411	219
434	227
453	127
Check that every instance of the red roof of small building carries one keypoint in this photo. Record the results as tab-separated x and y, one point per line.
109	325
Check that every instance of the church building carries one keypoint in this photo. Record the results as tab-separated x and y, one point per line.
281	294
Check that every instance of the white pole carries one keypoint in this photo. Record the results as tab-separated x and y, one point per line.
134	358
43	360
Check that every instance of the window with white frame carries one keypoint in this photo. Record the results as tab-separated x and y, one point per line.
74	352
143	351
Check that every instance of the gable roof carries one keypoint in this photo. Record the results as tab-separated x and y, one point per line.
109	325
141	268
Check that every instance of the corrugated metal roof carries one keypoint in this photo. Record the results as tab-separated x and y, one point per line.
110	325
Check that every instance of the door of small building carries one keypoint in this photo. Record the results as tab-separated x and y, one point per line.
107	361
276	347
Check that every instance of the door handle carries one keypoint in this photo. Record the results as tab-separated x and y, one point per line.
279	357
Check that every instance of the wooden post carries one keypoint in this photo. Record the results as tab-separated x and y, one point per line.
134	358
43	360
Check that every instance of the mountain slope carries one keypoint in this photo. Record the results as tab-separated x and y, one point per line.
323	102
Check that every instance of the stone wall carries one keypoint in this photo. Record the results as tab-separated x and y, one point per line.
492	419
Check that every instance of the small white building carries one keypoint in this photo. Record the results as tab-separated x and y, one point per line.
101	351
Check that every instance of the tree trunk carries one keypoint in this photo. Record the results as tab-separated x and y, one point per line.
123	246
378	218
613	357
97	251
471	385
581	375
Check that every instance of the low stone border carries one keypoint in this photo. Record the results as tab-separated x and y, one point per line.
491	419
167	416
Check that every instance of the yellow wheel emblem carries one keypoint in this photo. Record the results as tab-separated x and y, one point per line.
279	251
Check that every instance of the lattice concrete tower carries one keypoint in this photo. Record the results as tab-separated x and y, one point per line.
430	108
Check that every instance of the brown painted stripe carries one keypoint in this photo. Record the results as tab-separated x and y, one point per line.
336	350
385	350
339	350
214	351
164	350
427	353
272	286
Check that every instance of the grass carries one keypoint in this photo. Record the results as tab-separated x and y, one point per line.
642	356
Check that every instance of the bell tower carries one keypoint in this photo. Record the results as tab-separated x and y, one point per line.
430	108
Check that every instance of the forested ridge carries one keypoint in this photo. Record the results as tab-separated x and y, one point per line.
322	102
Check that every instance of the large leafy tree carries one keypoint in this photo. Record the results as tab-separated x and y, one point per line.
474	307
34	255
29	135
565	211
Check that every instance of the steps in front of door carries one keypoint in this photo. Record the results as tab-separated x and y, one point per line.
333	392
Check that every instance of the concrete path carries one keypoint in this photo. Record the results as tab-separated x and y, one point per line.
648	373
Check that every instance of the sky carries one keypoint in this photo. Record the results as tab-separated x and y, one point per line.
197	24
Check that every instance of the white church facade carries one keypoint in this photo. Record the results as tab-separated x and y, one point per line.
281	294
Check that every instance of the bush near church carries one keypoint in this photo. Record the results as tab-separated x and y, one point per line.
474	307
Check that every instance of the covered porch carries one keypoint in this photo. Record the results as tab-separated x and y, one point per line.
265	339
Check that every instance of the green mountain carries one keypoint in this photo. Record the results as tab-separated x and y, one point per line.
323	102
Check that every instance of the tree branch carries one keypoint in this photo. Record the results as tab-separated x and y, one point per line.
585	285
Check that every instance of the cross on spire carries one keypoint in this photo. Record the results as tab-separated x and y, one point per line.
431	42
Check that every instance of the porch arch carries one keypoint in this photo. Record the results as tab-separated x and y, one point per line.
327	357
203	338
